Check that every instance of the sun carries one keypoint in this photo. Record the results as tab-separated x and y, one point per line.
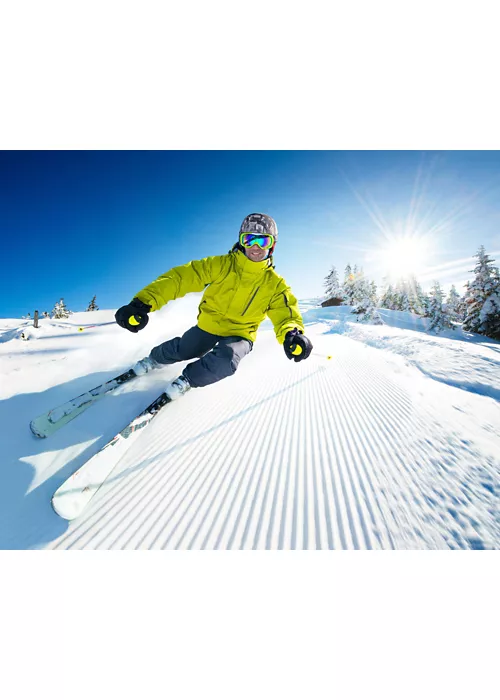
405	255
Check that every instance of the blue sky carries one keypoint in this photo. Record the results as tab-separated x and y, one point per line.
78	223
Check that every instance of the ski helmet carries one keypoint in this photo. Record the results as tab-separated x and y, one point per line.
260	223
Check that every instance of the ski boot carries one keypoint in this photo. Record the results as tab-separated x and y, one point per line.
177	388
146	365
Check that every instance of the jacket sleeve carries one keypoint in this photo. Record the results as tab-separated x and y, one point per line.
284	312
181	280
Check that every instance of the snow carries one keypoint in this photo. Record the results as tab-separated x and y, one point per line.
392	443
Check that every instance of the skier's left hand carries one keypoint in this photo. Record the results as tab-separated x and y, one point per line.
297	346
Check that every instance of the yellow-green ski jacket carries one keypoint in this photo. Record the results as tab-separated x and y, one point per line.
238	295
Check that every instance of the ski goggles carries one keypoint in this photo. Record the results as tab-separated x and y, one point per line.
263	241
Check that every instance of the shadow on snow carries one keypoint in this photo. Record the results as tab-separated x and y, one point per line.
27	520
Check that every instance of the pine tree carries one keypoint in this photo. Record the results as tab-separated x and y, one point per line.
461	309
364	298
408	296
425	302
387	300
464	301
46	314
367	310
361	290
332	285
93	306
405	295
415	296
400	296
60	310
490	315
482	298
371	315
348	286
437	313
453	304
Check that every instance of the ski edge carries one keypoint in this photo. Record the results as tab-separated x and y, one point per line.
43	427
58	498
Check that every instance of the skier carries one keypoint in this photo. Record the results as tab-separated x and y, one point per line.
241	287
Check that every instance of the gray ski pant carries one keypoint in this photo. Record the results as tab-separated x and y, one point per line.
219	356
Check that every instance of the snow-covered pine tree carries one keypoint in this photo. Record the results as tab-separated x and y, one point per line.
361	289
482	298
348	286
46	314
425	301
400	296
461	309
92	306
453	305
60	310
415	296
332	285
387	300
463	302
366	309
437	314
364	298
406	295
371	315
490	316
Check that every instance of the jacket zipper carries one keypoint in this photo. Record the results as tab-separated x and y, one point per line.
251	299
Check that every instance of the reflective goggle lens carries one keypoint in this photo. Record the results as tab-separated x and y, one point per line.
250	239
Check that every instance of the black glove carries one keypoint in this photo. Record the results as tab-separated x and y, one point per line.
133	316
296	346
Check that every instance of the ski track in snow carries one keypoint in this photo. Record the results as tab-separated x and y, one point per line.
312	455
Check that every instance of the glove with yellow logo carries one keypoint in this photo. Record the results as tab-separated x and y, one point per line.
296	346
133	316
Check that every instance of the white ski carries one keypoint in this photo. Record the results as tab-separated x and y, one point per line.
49	422
73	496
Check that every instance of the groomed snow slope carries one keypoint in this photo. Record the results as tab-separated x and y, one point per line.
392	444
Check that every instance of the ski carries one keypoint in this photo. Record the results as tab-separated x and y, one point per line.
49	422
73	496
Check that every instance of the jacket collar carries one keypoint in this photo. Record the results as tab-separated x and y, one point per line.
247	266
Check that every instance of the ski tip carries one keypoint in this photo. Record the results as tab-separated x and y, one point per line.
58	506
36	432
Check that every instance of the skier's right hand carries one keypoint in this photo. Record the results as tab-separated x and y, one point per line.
296	346
133	316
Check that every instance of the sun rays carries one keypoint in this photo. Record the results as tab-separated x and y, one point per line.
412	243
404	256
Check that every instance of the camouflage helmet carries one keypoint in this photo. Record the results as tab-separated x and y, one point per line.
260	223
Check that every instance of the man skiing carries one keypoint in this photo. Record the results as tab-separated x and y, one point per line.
241	288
